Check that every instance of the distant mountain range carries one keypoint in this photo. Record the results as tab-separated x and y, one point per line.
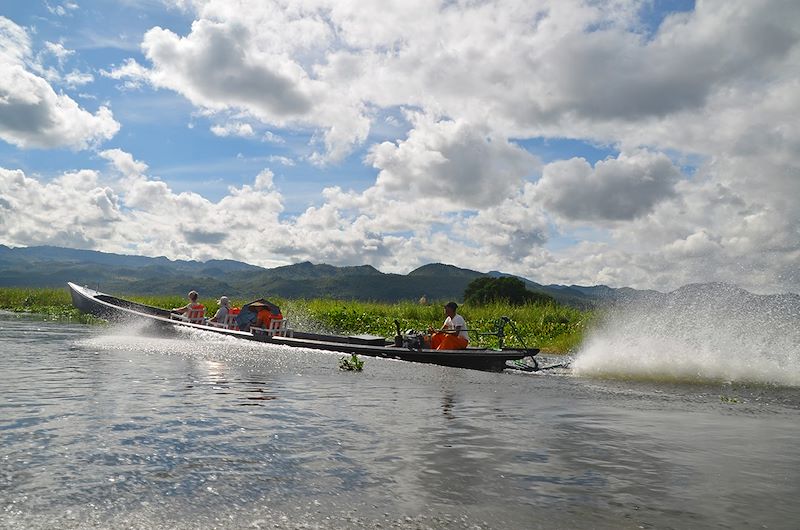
48	266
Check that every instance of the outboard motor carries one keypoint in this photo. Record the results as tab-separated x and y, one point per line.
414	340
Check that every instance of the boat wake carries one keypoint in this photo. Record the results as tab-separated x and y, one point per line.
698	334
141	338
144	338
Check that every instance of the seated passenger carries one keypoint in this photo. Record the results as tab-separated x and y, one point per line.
222	313
453	333
192	302
265	314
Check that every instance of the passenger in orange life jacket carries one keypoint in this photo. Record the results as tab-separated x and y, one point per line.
192	302
265	315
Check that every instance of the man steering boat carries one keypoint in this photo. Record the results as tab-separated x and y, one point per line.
453	333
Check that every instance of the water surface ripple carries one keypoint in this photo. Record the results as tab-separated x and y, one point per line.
104	427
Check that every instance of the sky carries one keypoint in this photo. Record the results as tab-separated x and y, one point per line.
646	143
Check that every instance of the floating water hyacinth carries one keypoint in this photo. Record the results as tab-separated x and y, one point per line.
352	363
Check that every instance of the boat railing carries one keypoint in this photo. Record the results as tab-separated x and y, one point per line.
195	315
278	327
499	332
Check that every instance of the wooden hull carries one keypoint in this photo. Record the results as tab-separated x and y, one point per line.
119	310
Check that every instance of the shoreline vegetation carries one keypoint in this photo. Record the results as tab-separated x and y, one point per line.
551	327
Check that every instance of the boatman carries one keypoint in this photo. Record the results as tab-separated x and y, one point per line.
453	333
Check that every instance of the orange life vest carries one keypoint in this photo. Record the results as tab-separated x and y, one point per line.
265	316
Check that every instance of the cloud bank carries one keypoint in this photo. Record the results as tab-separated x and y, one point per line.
698	108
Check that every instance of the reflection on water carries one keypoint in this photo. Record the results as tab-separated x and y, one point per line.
111	428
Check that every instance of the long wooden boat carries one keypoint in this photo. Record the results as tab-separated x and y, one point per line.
117	309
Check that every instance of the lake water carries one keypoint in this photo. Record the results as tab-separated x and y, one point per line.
106	428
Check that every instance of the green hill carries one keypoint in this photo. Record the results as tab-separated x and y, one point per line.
49	266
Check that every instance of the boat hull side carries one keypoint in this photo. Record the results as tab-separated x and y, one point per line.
117	310
479	360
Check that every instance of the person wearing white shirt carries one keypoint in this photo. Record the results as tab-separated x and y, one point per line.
453	333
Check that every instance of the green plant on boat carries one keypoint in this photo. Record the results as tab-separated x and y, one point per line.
352	363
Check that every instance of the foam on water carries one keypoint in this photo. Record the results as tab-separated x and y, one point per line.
698	333
141	337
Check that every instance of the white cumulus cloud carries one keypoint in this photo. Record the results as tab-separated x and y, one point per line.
614	190
32	114
458	164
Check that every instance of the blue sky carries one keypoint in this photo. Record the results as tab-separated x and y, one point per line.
156	123
568	142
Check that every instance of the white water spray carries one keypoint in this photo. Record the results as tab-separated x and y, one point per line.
197	345
707	332
143	337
